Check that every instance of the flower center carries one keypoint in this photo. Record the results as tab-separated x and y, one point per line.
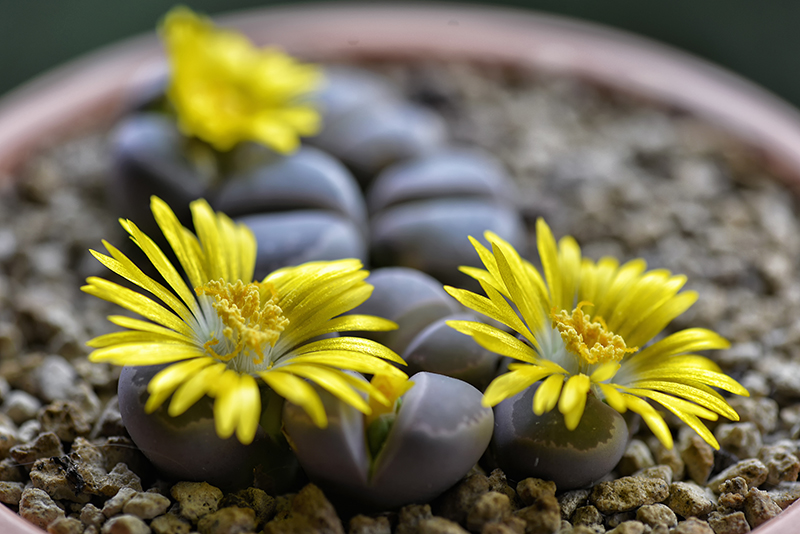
252	320
591	340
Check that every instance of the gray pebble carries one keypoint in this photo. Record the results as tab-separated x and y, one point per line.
734	523
782	464
118	478
628	493
56	378
146	505
670	457
125	524
196	499
759	507
753	471
688	499
37	507
569	501
20	406
91	515
763	411
785	493
115	504
636	457
64	419
656	514
29	430
57	476
741	439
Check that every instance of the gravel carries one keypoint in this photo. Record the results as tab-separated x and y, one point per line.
625	177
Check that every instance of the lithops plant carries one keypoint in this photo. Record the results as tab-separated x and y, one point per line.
584	332
437	432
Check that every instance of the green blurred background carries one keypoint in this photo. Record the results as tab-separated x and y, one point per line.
759	39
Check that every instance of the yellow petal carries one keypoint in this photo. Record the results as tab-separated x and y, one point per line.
299	392
574	394
509	384
546	397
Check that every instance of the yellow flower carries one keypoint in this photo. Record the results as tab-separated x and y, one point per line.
224	333
225	90
586	327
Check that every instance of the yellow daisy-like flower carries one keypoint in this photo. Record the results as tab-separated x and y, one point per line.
587	328
225	90
224	333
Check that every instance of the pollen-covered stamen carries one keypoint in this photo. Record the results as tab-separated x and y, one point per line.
250	314
591	340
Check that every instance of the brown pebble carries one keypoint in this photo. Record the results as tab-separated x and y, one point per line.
456	502
670	457
257	499
687	499
509	525
636	457
230	520
439	525
11	492
541	517
118	478
664	472
628	493
170	524
734	523
64	419
572	500
531	489
759	508
489	507
114	505
196	499
587	515
37	507
752	471
91	515
59	477
65	525
125	524
499	483
698	456
656	514
785	493
311	503
629	527
45	445
410	517
692	526
362	524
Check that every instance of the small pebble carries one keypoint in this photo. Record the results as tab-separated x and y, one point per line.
763	412
752	471
570	501
11	492
196	499
37	507
362	524
230	520
439	525
656	514
691	526
146	505
66	525
544	515
91	515
734	523
587	515
785	493
409	517
20	406
628	493
782	464
45	445
125	524
170	524
115	504
698	457
636	457
687	499
488	508
759	507
629	527
740	439
664	472
531	489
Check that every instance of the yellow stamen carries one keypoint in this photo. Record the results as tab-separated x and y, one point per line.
591	340
250	324
393	388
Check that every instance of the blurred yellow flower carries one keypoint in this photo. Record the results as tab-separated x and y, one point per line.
223	334
225	90
585	328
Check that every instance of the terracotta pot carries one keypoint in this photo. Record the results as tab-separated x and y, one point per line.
93	91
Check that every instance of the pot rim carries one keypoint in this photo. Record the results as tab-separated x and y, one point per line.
92	91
